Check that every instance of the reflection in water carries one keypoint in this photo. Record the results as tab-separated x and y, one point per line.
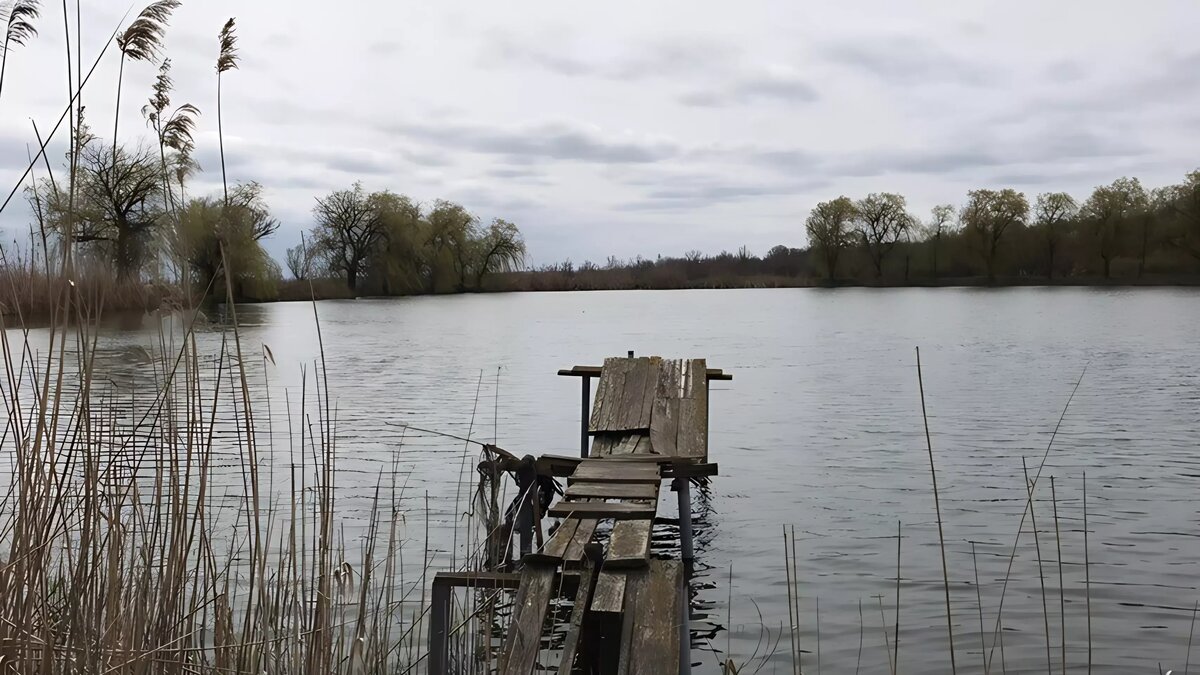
820	429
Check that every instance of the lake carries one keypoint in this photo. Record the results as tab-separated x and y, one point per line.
821	429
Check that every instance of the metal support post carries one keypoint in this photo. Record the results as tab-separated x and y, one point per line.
683	488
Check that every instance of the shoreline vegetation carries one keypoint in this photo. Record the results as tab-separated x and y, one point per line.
156	524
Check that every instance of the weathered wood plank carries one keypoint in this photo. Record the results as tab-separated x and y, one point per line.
602	445
556	548
577	549
692	435
609	597
612	471
649	390
664	417
575	627
594	371
613	491
629	545
616	510
609	394
653	643
629	414
525	631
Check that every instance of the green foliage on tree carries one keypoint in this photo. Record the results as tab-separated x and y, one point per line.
830	232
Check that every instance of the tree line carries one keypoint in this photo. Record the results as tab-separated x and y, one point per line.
387	243
1121	232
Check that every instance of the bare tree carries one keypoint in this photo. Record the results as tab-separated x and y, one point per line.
349	225
117	204
941	223
987	215
1052	213
881	220
828	228
301	260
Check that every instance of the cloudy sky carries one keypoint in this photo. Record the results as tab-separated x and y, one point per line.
650	128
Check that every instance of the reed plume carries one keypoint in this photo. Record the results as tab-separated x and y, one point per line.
18	17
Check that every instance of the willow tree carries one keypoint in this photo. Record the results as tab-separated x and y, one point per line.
451	229
228	231
1053	212
987	216
829	231
1108	210
18	18
500	249
881	220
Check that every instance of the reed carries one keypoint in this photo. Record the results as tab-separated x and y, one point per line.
1062	599
1037	544
937	505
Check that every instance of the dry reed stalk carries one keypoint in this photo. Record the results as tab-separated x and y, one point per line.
937	505
1187	659
896	631
1062	600
793	620
1012	553
1087	576
979	605
858	660
1041	575
887	644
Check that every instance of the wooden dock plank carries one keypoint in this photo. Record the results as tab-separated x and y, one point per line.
664	417
692	435
603	471
555	549
629	545
653	644
575	627
609	597
610	392
613	491
525	631
583	536
616	510
629	413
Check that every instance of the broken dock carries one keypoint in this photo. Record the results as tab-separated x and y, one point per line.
612	606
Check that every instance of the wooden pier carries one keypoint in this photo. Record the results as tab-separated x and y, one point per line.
629	610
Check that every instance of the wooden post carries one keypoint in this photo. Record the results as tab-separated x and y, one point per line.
683	488
439	626
585	409
527	486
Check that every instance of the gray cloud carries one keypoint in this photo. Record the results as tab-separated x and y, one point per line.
547	141
670	57
766	87
906	59
384	48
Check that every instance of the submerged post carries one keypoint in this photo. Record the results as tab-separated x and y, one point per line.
685	627
683	488
585	408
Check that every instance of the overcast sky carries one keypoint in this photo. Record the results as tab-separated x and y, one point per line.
652	127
